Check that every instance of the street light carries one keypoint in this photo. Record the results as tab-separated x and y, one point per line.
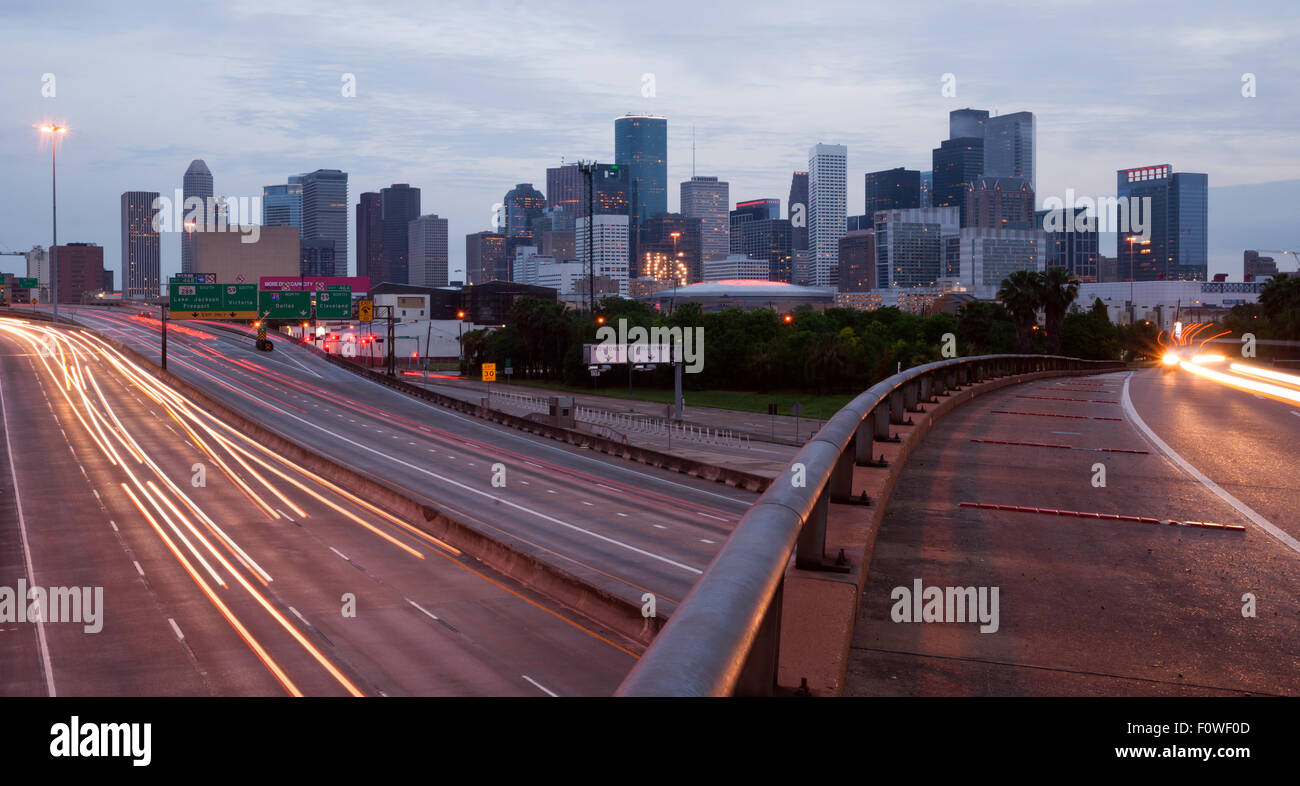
54	132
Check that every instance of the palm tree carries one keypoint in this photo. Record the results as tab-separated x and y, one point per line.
1057	290
1019	293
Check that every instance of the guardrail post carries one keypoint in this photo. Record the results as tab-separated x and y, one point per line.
910	391
810	550
880	418
758	675
896	408
841	484
927	385
862	439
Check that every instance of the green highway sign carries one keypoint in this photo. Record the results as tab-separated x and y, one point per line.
184	278
28	283
285	305
212	301
334	303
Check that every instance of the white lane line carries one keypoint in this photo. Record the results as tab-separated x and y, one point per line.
27	553
526	483
624	515
611	488
422	609
113	524
538	685
138	569
588	504
299	616
1131	413
95	492
176	628
1069	433
710	515
531	464
341	554
550	491
286	515
660	526
1297	414
706	540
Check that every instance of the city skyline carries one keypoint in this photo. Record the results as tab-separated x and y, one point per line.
275	118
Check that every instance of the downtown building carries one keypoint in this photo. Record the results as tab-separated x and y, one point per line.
891	189
917	247
427	251
400	205
141	260
1073	242
195	185
987	256
485	258
566	188
277	252
669	247
858	261
81	270
827	210
707	199
999	203
641	147
282	203
370	236
1177	249
325	213
607	249
758	232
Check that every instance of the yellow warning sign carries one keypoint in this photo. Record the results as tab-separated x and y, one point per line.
366	310
489	372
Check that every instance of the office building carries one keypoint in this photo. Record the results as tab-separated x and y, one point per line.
566	188
669	246
827	209
489	303
325	212
916	248
958	163
400	205
316	257
858	261
370	236
108	281
999	203
196	185
485	258
608	250
707	199
990	255
141	264
1010	147
736	267
1072	242
523	269
747	295
282	204
758	233
891	189
1176	249
797	212
927	187
81	270
967	123
1253	267
641	146
38	267
427	250
523	203
553	233
277	252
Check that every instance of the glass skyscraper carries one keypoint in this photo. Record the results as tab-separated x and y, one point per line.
141	264
957	164
891	189
282	204
325	212
197	184
641	146
827	210
1177	249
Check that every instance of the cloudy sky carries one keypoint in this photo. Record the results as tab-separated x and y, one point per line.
464	100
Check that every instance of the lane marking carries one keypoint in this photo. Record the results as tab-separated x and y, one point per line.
422	609
176	628
1131	413
138	569
538	685
113	524
710	515
341	554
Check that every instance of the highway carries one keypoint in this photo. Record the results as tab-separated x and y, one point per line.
228	570
621	526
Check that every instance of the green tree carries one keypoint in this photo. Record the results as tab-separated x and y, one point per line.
1020	294
1057	289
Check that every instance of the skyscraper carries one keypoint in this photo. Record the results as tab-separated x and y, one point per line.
1179	210
197	184
81	270
400	205
566	187
1072	242
325	212
427	248
485	258
141	262
915	248
797	210
827	208
1010	146
282	204
608	254
670	246
957	164
523	203
967	122
858	261
641	145
891	189
999	203
707	198
370	236
758	232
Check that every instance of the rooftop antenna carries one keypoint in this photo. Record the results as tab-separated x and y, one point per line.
692	151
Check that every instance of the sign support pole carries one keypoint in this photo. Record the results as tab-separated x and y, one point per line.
163	309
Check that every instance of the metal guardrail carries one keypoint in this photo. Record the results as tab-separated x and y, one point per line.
723	638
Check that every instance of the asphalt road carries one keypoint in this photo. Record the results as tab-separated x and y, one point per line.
226	570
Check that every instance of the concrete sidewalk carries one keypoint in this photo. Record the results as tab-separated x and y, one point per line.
1087	606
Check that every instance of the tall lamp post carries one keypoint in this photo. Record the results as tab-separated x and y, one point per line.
54	132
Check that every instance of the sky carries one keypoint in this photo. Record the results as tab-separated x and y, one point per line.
465	100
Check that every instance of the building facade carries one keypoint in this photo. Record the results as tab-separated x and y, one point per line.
1177	249
81	270
485	258
858	261
195	185
999	203
141	262
827	210
277	252
400	205
282	204
916	248
892	189
707	199
325	212
758	233
427	249
608	252
1073	242
370	236
641	146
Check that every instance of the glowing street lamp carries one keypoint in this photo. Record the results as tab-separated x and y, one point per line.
54	132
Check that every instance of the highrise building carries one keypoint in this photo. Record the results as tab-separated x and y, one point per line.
967	122
797	210
38	267
81	270
858	261
608	254
325	212
1072	241
316	257
757	232
1010	147
670	246
196	185
1253	267
827	209
999	203
523	203
1177	222
641	145
485	258
927	187
141	263
282	204
566	187
990	255
400	205
553	233
916	248
427	247
958	163
370	236
891	189
707	198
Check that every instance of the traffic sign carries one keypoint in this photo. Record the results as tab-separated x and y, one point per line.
212	301
489	372
284	305
334	303
366	310
28	283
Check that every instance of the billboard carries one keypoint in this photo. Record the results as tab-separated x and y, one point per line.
358	284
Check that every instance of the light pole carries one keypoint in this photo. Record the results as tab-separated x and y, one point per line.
54	132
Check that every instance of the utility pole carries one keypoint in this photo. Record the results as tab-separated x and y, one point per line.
163	319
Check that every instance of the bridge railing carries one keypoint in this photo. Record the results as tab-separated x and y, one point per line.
723	638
